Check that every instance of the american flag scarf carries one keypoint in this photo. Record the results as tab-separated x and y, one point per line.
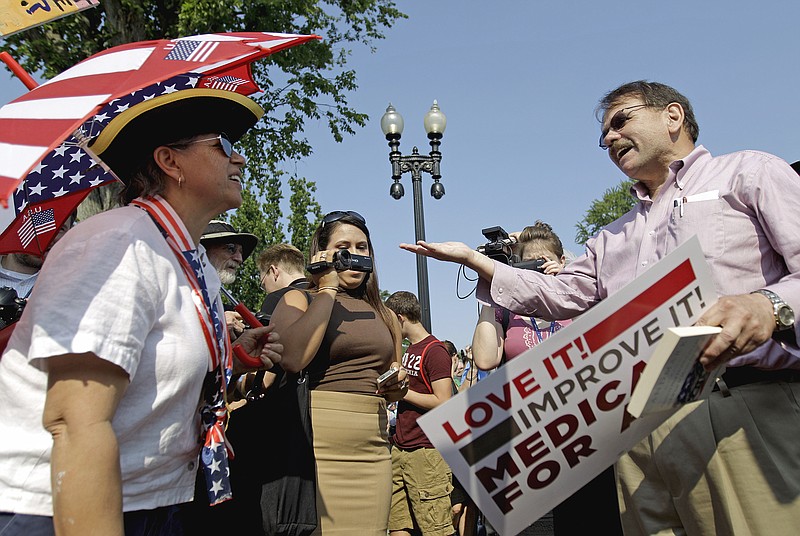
213	410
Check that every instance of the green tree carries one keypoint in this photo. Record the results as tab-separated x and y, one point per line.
305	83
614	203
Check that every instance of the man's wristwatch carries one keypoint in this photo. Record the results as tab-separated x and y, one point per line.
784	315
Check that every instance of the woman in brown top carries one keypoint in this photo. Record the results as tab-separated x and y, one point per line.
345	337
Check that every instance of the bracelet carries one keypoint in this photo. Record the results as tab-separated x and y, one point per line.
328	288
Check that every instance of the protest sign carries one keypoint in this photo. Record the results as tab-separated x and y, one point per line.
18	15
547	422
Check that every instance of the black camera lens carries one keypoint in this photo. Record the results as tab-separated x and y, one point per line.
341	260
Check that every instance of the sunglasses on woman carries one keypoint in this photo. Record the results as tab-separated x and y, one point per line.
337	215
224	143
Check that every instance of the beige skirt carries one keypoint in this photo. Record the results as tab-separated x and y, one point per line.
354	465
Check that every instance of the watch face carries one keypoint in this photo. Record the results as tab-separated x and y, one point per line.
785	316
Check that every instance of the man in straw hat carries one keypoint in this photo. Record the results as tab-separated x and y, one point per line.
130	332
226	248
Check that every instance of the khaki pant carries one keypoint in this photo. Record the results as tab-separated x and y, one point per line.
727	466
421	487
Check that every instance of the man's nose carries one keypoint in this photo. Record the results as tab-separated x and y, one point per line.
237	256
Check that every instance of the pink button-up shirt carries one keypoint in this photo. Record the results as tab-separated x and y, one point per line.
744	209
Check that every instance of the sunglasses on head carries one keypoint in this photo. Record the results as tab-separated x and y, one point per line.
337	215
224	143
617	122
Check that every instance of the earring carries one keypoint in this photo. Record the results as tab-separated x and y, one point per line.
180	180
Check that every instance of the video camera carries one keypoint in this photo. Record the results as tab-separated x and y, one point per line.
11	306
499	248
499	245
343	260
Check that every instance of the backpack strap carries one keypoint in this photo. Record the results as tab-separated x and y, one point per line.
453	386
422	368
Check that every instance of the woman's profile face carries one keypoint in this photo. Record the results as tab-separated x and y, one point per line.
214	176
353	239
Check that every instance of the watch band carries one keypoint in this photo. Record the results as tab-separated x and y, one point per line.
783	313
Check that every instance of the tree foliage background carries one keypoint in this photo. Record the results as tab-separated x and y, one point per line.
614	203
305	83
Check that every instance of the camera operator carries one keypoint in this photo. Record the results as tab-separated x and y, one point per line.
502	335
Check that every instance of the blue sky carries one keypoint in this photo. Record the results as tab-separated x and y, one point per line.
518	81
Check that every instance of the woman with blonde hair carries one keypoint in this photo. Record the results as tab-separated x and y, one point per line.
501	335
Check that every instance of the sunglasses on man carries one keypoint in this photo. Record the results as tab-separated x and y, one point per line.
617	122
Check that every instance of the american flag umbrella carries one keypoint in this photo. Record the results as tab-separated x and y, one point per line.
45	165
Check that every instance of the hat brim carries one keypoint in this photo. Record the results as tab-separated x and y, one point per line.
248	241
132	135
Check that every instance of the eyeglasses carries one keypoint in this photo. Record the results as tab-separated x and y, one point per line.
224	143
232	249
617	122
337	215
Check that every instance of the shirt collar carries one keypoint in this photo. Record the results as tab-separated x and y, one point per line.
681	167
677	172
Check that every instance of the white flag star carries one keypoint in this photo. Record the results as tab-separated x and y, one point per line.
216	487
169	89
60	192
38	189
76	179
39	167
76	156
60	172
60	150
214	466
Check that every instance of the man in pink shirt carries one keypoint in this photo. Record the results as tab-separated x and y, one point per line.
730	465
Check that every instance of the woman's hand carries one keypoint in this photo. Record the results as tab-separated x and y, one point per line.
329	277
396	389
261	343
551	267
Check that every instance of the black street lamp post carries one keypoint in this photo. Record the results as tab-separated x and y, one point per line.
392	126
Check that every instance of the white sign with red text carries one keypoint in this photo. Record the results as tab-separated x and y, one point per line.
547	422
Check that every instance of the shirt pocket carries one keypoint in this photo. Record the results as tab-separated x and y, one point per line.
703	219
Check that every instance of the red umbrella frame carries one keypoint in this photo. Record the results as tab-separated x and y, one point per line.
44	160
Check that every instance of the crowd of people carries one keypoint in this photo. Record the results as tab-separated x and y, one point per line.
133	401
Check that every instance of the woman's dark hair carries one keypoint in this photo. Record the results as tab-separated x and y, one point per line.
654	95
147	180
144	177
540	233
369	290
